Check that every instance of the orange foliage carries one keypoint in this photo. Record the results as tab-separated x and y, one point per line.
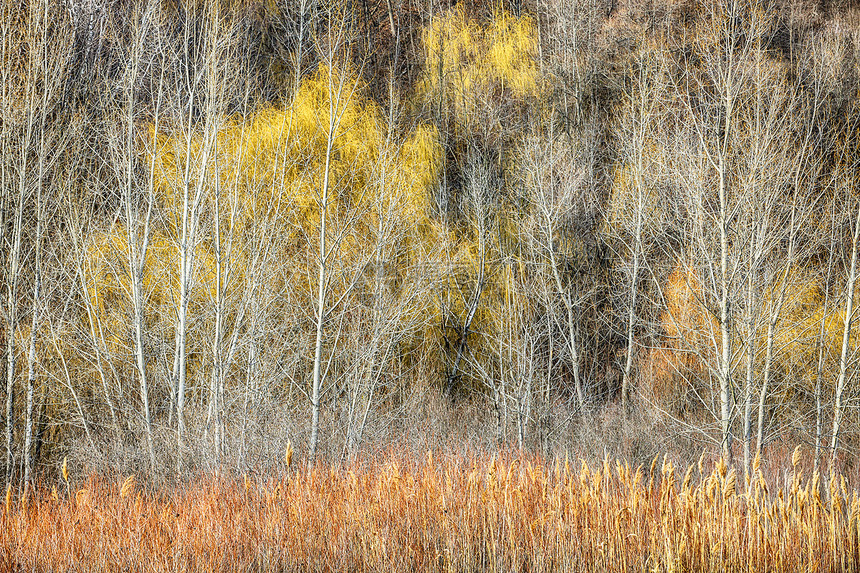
685	324
685	316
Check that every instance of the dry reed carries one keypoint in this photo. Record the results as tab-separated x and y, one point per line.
388	514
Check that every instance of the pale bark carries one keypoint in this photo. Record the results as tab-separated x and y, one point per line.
472	307
842	380
216	389
322	284
93	321
751	309
12	324
726	329
570	311
34	329
338	101
138	238
643	112
196	170
773	319
822	355
631	313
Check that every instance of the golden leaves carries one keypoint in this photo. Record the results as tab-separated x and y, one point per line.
465	59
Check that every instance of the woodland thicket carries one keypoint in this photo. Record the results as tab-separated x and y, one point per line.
605	226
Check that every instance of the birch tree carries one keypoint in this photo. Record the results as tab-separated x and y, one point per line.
846	352
36	66
637	208
711	94
200	88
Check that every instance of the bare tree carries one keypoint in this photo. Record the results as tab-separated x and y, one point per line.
844	355
124	147
394	299
32	92
200	89
466	292
712	94
333	227
557	194
638	203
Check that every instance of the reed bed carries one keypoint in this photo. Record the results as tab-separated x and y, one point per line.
504	513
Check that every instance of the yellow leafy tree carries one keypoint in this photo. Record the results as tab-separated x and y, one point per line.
266	174
466	61
475	73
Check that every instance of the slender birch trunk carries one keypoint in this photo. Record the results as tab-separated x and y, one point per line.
750	364
822	349
138	247
725	366
842	380
12	325
773	319
634	290
819	371
335	110
34	328
322	284
217	360
570	310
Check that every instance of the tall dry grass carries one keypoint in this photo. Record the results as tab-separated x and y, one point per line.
505	513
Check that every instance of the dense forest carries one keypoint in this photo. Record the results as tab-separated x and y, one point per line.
235	227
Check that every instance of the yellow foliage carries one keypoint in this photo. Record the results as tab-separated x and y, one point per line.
624	200
277	159
800	336
177	163
512	48
466	60
420	161
267	172
108	275
686	319
798	296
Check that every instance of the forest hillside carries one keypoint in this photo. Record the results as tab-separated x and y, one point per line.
602	227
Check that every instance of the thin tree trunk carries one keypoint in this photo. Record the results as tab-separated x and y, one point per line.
97	340
12	325
322	280
465	331
138	246
846	340
725	374
771	335
12	298
185	256
725	370
71	387
34	328
217	359
571	328
37	263
634	289
750	365
819	374
391	18
187	246
822	354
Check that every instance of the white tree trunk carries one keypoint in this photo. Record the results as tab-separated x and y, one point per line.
34	328
846	343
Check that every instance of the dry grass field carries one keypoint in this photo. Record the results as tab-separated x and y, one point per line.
456	513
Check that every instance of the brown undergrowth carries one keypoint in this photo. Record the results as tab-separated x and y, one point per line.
456	513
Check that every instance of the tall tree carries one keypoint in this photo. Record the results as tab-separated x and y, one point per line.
33	92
